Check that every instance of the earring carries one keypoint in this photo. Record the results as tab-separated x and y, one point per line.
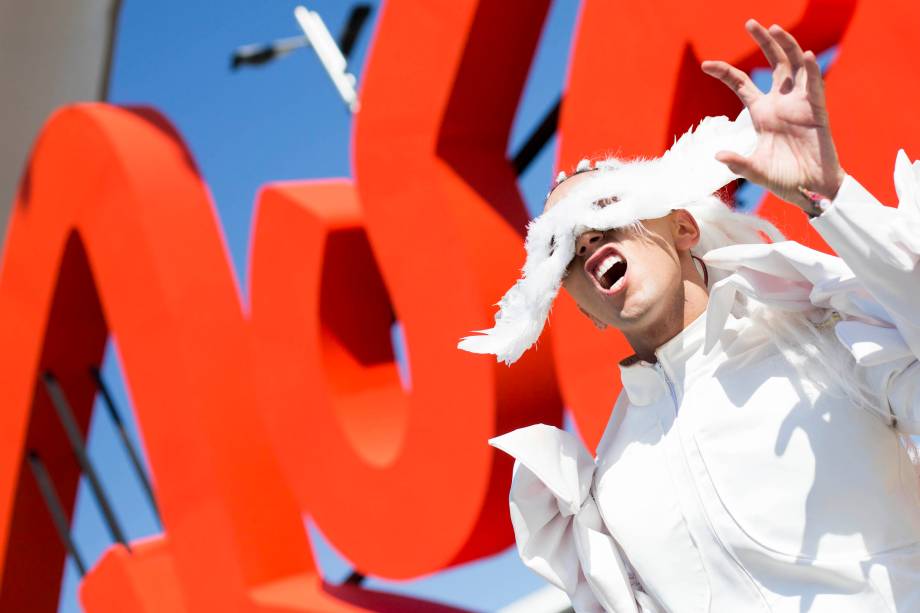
705	270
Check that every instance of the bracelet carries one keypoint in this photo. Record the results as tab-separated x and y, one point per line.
818	202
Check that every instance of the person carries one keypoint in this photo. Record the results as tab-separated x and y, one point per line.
756	459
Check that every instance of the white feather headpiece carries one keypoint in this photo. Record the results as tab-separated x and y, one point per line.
685	177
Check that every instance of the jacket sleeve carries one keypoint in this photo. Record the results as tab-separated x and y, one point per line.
881	245
557	526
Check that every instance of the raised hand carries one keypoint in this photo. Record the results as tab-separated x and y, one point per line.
795	150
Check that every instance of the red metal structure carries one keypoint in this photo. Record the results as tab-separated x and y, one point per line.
298	408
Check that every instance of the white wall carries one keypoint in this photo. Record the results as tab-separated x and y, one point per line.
51	52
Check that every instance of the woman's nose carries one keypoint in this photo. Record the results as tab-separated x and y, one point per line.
588	242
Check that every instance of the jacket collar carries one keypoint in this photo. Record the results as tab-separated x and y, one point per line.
645	382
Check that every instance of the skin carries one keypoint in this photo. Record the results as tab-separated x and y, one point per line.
795	154
795	148
663	290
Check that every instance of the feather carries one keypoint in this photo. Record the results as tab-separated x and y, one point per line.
687	173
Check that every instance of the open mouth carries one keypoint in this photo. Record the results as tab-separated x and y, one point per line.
607	267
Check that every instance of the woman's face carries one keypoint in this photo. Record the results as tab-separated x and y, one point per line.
626	278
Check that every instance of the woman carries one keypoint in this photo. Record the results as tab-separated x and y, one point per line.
754	460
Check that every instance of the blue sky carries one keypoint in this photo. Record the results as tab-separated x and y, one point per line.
277	122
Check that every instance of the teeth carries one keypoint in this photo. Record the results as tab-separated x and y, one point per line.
606	265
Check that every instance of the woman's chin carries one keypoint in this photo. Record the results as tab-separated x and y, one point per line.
633	313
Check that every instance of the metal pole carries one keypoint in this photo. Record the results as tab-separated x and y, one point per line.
105	85
125	439
65	415
46	487
537	139
352	29
355	578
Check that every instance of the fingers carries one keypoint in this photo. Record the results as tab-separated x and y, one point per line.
771	49
783	52
815	85
789	46
736	80
793	69
740	165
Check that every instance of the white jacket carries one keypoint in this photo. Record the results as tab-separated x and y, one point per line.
724	481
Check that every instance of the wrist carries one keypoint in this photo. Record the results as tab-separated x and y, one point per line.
814	203
831	188
815	199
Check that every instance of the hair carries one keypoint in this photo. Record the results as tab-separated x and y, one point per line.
813	349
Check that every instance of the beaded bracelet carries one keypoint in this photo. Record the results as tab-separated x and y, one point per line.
819	202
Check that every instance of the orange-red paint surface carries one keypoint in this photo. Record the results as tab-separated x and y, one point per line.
252	421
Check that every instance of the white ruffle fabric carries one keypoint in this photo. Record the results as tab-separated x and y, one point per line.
558	526
792	277
686	176
559	531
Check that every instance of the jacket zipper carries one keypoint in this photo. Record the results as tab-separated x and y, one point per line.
702	507
669	383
